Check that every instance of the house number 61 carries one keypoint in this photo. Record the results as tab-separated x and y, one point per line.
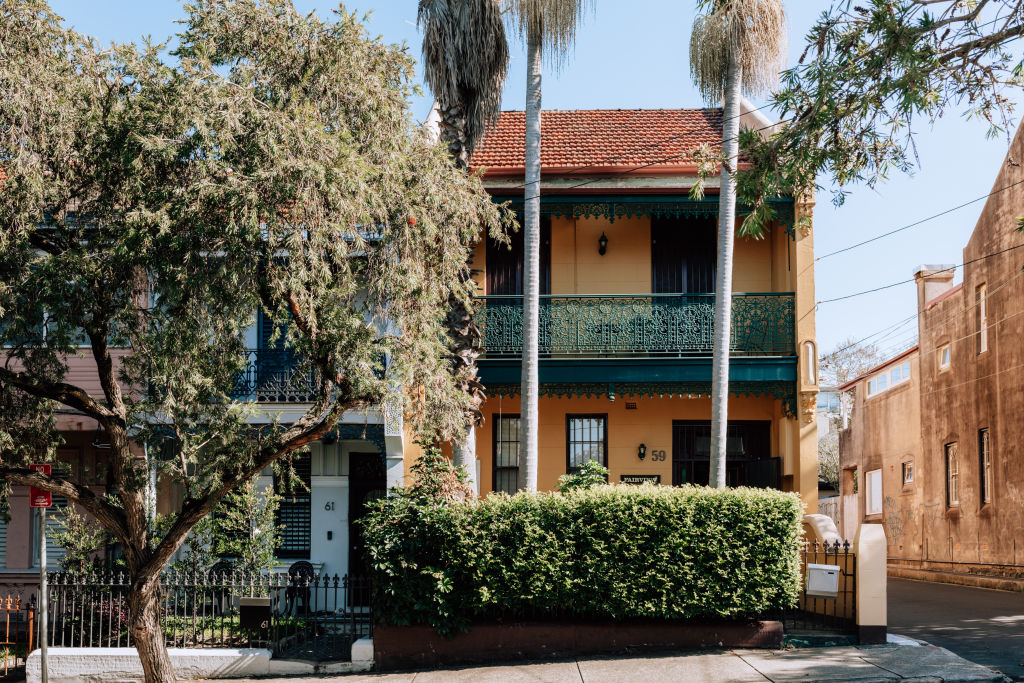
329	506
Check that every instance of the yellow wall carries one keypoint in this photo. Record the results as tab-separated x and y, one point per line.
760	265
650	424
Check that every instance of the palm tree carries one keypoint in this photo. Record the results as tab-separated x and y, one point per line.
465	58
547	26
737	47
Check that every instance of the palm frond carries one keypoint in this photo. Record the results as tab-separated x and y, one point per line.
755	30
554	22
465	58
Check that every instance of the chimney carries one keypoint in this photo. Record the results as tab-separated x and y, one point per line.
933	280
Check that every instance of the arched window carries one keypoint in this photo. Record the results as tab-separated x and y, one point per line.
809	363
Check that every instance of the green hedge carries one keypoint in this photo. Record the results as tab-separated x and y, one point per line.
612	552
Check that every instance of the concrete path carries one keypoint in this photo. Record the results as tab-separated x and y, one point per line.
982	625
873	663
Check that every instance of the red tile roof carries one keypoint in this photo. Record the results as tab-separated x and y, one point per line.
601	140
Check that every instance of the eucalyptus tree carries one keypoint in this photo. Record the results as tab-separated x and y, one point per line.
868	72
154	206
736	47
465	59
547	26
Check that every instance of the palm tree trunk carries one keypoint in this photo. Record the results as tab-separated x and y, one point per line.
531	271
723	285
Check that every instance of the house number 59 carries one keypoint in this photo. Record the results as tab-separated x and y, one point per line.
658	455
329	506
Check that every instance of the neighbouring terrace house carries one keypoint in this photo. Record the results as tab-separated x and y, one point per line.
938	456
628	269
353	464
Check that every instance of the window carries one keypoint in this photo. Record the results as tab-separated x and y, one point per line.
873	492
586	440
944	357
981	316
506	454
908	473
952	474
293	515
887	379
985	465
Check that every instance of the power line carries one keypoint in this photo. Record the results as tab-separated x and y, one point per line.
903	282
918	222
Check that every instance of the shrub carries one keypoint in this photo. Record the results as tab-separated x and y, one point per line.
591	474
610	552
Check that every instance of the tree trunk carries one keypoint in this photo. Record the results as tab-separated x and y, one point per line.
531	271
723	285
144	624
465	456
466	344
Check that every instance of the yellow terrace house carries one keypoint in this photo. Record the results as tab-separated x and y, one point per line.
628	269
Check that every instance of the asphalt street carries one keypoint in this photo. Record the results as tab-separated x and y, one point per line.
982	625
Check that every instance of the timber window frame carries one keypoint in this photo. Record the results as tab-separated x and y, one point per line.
505	449
581	440
873	492
952	453
984	466
907	472
890	378
945	357
981	317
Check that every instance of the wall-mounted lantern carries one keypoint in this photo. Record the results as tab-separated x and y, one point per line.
602	244
641	451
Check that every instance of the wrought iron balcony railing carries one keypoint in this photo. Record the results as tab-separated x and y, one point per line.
598	326
273	376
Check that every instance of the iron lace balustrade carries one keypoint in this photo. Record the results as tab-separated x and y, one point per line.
609	325
273	376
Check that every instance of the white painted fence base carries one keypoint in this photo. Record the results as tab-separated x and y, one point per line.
121	664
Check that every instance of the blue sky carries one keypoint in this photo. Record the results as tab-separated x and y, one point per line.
634	54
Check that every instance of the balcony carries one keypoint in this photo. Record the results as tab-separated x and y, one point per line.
272	376
638	325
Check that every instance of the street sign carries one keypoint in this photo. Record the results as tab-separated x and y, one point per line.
39	498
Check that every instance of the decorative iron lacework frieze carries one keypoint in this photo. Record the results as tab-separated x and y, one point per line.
373	433
612	208
783	391
274	376
673	325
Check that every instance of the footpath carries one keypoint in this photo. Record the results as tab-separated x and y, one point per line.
900	660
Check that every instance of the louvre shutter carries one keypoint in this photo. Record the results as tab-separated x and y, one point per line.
3	544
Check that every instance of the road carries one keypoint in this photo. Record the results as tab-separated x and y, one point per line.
982	625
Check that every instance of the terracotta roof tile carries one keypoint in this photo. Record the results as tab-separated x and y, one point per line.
608	139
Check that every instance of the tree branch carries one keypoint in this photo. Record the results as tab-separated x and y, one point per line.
110	516
67	394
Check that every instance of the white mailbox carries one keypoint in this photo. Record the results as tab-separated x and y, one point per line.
822	580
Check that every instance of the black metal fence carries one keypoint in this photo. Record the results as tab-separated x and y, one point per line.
814	613
306	617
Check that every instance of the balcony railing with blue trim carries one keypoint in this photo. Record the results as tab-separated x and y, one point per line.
273	376
625	325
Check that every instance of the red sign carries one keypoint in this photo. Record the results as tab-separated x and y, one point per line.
38	498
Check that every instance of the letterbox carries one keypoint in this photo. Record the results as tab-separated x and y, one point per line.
822	580
254	613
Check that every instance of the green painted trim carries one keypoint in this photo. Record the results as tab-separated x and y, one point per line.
613	207
640	370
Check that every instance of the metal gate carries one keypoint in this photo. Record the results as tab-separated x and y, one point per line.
17	635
